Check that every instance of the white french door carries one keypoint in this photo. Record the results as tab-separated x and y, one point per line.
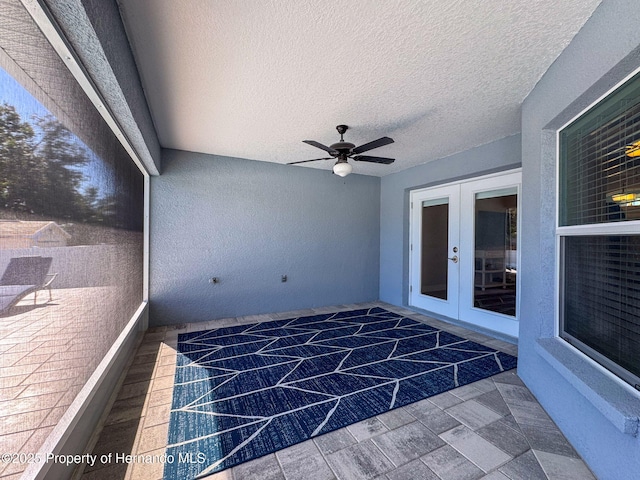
464	253
435	234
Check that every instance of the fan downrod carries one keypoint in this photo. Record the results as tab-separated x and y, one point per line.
341	129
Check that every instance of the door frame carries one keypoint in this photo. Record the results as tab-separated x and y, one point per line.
448	307
506	324
467	313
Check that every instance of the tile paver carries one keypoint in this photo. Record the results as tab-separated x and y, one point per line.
396	418
367	428
360	461
506	439
470	432
334	441
304	460
449	464
407	442
473	414
414	470
480	451
494	401
556	465
266	467
524	466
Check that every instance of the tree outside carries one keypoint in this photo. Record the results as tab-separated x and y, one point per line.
42	176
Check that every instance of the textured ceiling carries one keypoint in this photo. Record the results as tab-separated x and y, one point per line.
252	79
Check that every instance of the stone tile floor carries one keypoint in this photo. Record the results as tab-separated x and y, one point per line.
48	350
492	429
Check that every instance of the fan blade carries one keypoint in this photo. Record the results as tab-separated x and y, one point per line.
313	143
314	160
381	142
367	158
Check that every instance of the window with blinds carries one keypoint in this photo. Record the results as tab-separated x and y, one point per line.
601	308
599	209
600	162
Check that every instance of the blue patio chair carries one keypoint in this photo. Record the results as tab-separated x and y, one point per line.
25	275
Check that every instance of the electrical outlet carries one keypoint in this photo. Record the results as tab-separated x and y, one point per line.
214	280
283	278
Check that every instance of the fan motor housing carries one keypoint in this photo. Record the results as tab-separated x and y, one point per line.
347	146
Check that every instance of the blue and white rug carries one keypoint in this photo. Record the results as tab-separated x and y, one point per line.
245	391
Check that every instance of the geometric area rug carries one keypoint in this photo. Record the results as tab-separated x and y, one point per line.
245	391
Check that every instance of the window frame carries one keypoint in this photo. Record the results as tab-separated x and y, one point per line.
614	228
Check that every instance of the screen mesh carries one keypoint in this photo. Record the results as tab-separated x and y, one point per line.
71	236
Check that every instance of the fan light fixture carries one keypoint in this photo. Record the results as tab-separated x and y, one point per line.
342	169
625	197
633	150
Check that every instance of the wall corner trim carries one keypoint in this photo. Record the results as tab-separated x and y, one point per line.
616	401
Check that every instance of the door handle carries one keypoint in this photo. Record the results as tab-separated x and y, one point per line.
454	259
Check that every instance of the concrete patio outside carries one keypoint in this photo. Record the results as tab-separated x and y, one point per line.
47	353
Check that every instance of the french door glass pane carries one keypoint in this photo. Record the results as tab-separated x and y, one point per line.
435	241
496	256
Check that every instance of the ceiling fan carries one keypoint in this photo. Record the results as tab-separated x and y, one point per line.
344	150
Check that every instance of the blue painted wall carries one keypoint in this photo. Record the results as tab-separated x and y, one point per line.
591	407
394	204
249	223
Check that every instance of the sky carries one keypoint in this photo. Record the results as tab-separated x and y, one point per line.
14	94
